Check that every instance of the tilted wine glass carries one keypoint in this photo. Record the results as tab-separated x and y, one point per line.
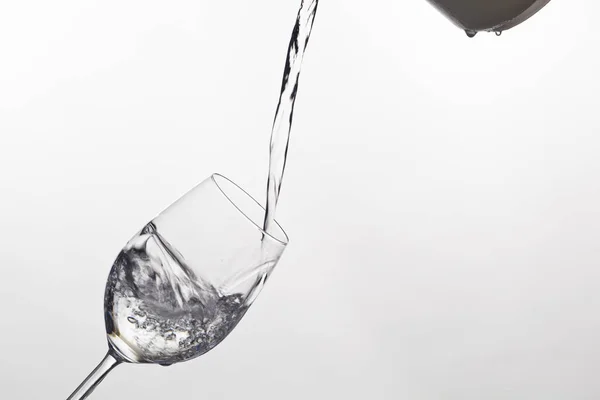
181	284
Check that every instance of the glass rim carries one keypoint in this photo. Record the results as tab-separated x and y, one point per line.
284	241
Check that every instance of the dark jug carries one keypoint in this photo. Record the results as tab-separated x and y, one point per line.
488	15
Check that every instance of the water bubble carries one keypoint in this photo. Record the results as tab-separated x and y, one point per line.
498	33
132	320
148	325
470	33
139	313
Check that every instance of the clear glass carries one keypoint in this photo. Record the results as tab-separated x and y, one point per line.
185	280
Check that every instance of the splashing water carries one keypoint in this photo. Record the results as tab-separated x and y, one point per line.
158	311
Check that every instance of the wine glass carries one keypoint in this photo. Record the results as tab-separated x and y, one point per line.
184	281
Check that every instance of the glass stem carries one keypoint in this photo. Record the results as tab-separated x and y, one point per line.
94	379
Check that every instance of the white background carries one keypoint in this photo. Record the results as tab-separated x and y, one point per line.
442	194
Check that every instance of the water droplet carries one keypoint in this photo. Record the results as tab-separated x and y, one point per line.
132	320
470	33
498	33
165	364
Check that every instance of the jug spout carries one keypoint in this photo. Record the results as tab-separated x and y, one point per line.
488	15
